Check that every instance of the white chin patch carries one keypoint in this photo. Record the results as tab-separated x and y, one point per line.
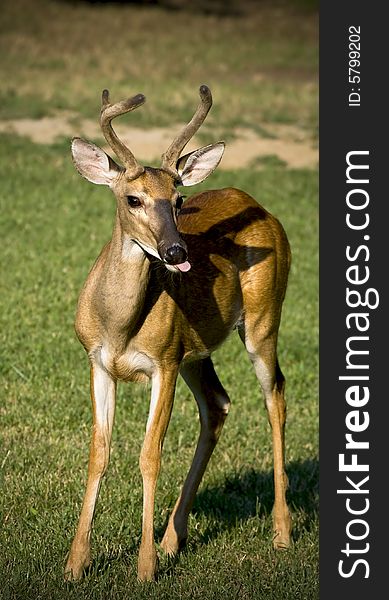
148	250
171	268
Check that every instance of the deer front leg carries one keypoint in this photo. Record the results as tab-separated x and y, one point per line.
103	392
162	395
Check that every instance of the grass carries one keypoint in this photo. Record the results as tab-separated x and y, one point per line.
53	225
58	56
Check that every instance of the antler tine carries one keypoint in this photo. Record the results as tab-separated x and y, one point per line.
110	111
172	154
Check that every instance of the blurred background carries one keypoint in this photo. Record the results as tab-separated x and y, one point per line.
260	59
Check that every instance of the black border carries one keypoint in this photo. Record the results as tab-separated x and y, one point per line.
342	129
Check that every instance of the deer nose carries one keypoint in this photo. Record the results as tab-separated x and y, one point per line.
175	255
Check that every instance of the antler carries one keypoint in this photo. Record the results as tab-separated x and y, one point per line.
109	112
172	154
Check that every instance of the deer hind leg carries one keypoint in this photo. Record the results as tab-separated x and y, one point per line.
213	404
263	355
103	393
162	395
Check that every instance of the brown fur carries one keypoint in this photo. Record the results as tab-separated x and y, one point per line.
138	320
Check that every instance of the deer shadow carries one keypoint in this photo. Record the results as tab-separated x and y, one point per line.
197	287
250	493
243	496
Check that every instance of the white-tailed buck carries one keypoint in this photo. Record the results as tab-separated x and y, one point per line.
169	287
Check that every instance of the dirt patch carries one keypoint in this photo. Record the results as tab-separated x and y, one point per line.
290	145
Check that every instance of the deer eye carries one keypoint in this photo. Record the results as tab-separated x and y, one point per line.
133	201
179	202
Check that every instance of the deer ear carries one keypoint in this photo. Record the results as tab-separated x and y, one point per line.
196	166
93	163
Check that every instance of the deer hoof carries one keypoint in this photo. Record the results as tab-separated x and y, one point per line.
147	567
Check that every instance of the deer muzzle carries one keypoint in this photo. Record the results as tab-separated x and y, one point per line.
177	255
171	248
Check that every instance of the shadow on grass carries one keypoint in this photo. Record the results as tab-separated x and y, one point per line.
243	495
251	493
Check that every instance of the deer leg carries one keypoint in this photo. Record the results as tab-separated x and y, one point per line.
162	395
213	404
103	392
263	356
276	409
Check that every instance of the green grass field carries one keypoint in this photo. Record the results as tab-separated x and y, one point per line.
52	226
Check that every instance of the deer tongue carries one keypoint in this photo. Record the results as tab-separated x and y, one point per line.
185	266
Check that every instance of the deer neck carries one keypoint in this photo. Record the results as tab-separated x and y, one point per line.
126	277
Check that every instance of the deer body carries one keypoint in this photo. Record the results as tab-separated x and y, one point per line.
146	312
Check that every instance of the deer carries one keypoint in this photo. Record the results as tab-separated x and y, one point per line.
173	282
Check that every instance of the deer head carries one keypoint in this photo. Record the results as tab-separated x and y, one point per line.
147	198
